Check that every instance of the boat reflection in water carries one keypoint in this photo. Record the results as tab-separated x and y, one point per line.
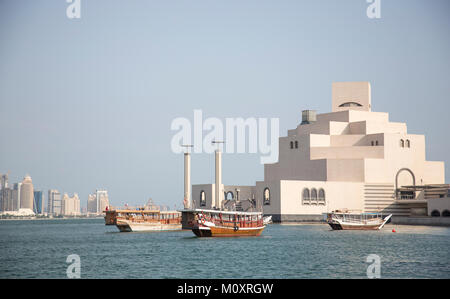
218	223
364	221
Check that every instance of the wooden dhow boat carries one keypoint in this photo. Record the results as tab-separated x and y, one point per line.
219	223
128	220
363	221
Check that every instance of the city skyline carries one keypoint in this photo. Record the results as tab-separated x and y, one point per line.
101	91
24	195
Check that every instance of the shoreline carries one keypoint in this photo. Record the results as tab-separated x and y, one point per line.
48	218
398	221
406	221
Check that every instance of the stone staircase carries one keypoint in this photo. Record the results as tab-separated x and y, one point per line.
381	198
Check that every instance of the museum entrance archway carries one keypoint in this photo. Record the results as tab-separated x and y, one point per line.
405	177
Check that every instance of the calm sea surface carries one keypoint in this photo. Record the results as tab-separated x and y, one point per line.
39	248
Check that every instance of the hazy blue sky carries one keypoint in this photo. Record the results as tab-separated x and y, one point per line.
87	103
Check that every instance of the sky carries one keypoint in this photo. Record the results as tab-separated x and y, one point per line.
88	103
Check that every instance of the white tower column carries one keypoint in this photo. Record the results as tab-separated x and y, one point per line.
218	186
187	180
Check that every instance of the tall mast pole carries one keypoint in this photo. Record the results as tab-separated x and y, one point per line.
187	177
218	185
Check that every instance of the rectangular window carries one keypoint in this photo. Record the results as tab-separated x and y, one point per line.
407	195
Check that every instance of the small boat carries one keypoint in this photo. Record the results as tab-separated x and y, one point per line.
143	220
364	221
218	223
267	220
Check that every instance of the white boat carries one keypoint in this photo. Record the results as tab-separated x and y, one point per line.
363	221
267	220
143	220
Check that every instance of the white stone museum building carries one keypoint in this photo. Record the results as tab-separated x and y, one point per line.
350	159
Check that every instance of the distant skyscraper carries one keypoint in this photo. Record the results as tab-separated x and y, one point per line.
9	199
6	203
54	202
38	203
65	205
3	191
26	193
92	203
3	181
98	201
16	196
102	200
76	204
70	205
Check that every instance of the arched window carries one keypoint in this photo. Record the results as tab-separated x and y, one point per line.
376	142
321	196
266	196
402	143
313	196
296	144
305	197
372	143
202	198
292	144
350	104
445	213
435	213
229	195
408	144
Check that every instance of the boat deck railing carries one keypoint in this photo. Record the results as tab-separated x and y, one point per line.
240	223
135	208
366	218
154	220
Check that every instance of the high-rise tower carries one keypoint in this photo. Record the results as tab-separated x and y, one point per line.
54	202
26	193
102	200
38	204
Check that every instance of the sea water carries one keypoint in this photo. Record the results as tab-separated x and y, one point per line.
39	249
